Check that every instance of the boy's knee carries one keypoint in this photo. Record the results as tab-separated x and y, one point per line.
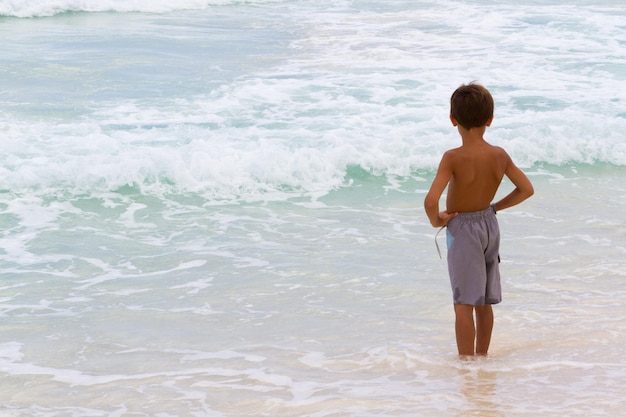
484	308
464	309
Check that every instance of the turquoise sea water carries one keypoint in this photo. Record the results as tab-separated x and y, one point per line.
215	209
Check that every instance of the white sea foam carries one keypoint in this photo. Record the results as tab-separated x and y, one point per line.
219	214
367	89
38	8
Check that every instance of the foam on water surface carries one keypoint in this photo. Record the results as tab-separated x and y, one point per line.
290	100
337	309
218	212
39	8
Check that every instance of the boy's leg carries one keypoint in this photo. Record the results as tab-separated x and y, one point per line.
484	326
464	328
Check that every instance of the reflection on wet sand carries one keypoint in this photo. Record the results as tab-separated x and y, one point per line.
478	386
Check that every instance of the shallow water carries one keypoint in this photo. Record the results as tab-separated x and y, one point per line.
218	212
299	309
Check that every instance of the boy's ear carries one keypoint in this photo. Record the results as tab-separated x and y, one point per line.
453	120
489	121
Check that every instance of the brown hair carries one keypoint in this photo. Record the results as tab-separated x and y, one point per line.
471	105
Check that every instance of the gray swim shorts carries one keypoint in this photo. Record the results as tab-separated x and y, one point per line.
473	257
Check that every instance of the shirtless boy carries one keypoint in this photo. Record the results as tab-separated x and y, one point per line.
472	173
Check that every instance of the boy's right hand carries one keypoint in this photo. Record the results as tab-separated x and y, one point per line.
445	217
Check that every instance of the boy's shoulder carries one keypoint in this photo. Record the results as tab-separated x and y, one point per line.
465	156
484	148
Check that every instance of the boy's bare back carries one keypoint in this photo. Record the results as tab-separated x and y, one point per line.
476	173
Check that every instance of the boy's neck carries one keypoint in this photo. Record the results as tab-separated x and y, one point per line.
473	135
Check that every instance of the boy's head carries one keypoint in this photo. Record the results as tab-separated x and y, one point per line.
471	105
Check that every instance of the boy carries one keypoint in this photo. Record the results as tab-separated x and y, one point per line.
473	173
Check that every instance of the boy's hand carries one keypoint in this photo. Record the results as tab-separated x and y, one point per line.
445	217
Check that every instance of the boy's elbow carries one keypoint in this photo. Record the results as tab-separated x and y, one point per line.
430	204
524	193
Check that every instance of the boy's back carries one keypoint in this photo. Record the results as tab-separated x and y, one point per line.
477	170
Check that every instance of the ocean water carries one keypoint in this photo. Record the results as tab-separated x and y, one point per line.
214	208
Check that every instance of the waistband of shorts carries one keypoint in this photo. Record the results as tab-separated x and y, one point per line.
478	215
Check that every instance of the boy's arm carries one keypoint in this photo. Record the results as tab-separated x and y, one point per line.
431	202
523	187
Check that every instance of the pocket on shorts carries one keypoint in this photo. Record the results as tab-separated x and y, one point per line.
449	238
